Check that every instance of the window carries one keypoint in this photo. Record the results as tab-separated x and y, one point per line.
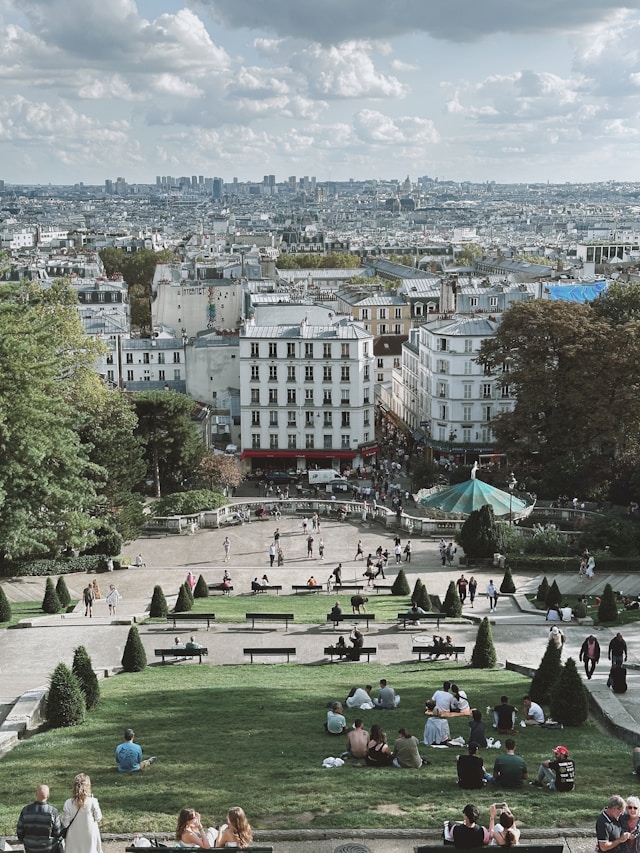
364	313
380	363
486	390
398	313
273	419
291	350
380	377
506	367
308	441
346	420
473	302
487	413
291	418
326	350
110	358
291	441
442	366
505	392
291	395
442	389
176	375
366	373
344	442
382	328
365	417
308	373
109	375
255	395
326	373
308	419
365	349
345	373
328	420
468	368
467	391
327	441
255	440
176	358
308	396
160	358
308	350
442	413
326	398
396	363
397	329
441	344
129	358
291	373
273	441
366	399
255	417
466	414
344	350
382	313
345	397
466	435
255	350
273	373
493	302
273	396
161	374
273	350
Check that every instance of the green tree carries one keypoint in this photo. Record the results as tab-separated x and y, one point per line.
543	590
201	590
569	704
608	608
50	602
507	585
452	606
158	609
172	448
484	651
421	596
547	674
400	585
82	668
189	503
612	532
65	702
189	592
480	535
5	607
134	657
184	602
424	473
553	596
64	597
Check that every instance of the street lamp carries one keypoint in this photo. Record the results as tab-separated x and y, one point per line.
512	483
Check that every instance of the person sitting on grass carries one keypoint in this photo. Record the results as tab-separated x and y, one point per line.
504	717
406	752
534	715
557	773
459	701
336	723
360	697
477	729
129	755
471	772
378	752
357	740
437	729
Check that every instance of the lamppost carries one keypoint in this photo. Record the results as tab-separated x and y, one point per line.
512	483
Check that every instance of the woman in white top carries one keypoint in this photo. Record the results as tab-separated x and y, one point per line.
113	597
459	701
505	833
236	832
81	815
190	833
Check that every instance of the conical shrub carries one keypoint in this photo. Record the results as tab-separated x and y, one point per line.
183	603
189	592
569	703
507	585
134	657
608	609
421	596
547	674
87	679
51	602
63	593
158	608
400	585
543	590
201	590
65	702
5	607
553	596
417	589
484	652
452	606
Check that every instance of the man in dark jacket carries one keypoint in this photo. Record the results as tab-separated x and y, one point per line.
617	649
39	827
590	654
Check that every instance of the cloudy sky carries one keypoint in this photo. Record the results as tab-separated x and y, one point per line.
506	90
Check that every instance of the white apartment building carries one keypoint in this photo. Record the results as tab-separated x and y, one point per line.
306	396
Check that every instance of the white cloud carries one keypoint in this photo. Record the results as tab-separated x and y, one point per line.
346	71
380	129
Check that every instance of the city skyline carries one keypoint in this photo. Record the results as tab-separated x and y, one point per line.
518	92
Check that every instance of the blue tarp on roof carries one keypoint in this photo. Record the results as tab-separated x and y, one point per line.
575	292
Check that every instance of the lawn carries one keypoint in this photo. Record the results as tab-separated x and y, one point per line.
252	735
27	610
625	617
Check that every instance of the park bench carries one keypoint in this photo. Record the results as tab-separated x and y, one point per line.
335	651
427	617
254	848
522	848
353	617
269	617
380	587
267	588
266	651
434	650
181	653
352	587
219	587
187	616
304	588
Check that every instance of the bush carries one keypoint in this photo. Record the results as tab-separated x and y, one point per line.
41	568
134	657
108	541
5	607
184	602
547	674
543	590
547	543
612	532
87	679
569	704
484	652
480	535
65	702
401	584
51	602
63	593
608	609
189	593
188	503
421	596
553	598
507	585
452	606
158	607
201	590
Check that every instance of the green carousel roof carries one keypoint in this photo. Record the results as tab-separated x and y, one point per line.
465	497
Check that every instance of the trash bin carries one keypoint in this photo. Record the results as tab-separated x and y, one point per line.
502	561
496	559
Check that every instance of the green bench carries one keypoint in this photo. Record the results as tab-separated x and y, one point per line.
181	653
269	617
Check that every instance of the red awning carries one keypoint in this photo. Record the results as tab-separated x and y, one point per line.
369	451
298	454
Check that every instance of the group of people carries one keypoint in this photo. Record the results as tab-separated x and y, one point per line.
617	655
42	829
236	832
91	593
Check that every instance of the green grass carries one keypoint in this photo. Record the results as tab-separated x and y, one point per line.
625	617
25	610
253	735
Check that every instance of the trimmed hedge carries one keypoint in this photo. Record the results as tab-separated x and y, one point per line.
63	566
605	563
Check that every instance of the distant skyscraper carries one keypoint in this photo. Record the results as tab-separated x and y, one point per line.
217	187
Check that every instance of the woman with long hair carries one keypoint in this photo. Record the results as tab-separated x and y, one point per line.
81	815
504	833
190	833
378	752
236	832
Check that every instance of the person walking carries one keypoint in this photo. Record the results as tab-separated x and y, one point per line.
473	588
321	548
617	649
227	548
309	545
492	595
88	596
590	655
272	554
81	816
337	574
462	585
113	597
39	828
407	551
359	550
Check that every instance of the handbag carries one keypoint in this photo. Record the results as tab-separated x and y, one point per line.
66	829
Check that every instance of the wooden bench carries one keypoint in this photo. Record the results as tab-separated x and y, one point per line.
353	617
282	650
334	651
187	616
268	588
423	617
181	653
304	588
380	587
270	617
352	587
218	587
522	848
432	650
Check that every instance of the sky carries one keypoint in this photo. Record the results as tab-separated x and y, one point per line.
477	90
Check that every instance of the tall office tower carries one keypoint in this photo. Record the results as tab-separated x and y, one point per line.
108	187
201	179
194	181
217	187
158	180
293	183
